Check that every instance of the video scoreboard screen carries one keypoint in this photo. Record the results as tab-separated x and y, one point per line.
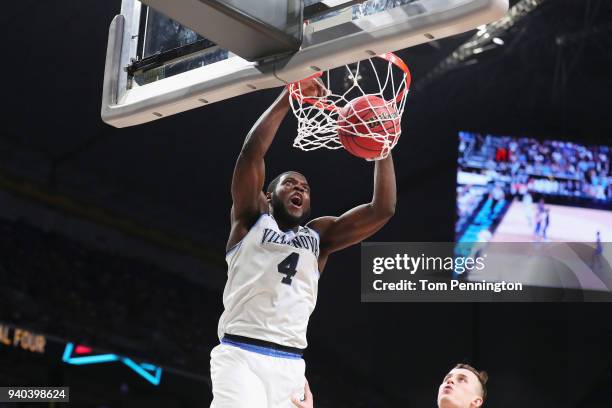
527	203
518	189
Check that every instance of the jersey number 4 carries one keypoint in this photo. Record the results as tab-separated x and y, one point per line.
287	267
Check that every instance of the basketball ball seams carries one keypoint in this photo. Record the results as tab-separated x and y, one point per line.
367	115
353	147
378	149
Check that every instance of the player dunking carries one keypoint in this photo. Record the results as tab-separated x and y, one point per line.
273	269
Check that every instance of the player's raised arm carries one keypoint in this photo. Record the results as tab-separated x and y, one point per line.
362	221
249	173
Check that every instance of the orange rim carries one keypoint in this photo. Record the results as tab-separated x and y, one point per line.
389	56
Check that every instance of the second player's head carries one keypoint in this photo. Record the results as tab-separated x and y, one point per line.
289	198
463	387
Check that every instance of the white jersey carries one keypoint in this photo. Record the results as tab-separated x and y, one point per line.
272	284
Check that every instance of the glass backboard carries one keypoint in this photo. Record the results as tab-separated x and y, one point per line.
156	67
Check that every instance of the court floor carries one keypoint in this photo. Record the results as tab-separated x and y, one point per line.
566	224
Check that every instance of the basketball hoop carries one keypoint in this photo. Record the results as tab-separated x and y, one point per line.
368	117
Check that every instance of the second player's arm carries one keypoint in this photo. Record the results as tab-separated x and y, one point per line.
362	221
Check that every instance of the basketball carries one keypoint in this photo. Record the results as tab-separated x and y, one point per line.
364	117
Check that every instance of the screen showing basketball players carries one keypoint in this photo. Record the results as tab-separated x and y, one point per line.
519	189
540	209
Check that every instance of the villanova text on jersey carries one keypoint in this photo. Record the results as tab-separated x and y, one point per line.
308	242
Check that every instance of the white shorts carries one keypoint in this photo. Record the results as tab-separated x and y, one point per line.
248	379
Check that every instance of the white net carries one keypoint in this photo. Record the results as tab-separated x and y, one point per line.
362	108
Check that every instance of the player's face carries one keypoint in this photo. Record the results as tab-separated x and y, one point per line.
460	389
293	194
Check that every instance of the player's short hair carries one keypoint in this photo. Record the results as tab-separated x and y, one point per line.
272	185
482	376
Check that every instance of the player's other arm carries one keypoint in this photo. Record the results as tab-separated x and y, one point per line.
249	172
362	221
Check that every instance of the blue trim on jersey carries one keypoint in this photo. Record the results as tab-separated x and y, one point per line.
236	245
233	248
262	350
316	232
319	237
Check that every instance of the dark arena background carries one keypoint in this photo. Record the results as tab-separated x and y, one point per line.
112	240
